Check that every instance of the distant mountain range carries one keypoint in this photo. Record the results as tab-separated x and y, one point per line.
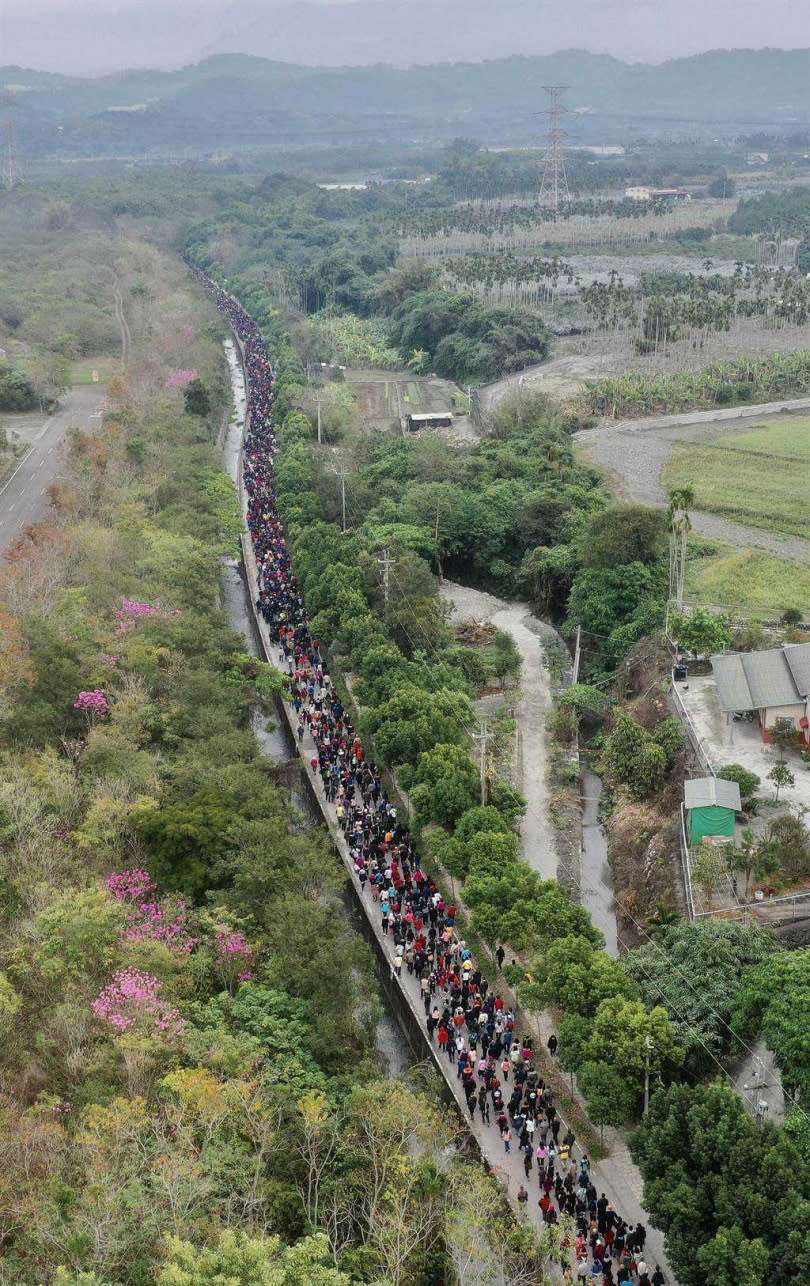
235	99
98	36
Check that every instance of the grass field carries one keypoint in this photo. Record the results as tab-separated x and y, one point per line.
82	372
759	476
750	579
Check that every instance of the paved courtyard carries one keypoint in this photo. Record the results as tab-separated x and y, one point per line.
727	742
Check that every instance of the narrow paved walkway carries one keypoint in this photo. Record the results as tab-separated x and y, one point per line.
532	704
24	493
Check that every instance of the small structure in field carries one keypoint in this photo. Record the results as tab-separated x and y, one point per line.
712	803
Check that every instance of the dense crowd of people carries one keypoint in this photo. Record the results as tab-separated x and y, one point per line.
468	1021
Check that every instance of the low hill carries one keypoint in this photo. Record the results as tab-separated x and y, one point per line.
234	99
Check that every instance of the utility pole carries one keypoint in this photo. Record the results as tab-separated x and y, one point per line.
648	1042
386	562
342	473
577	653
436	538
318	404
554	185
483	737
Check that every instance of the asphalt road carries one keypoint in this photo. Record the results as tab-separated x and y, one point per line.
23	494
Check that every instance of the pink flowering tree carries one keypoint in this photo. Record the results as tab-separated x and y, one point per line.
94	705
179	379
130	607
234	957
132	1002
130	886
132	610
152	919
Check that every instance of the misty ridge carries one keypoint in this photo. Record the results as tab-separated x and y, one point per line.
83	38
234	101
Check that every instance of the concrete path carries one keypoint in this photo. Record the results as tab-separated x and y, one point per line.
532	704
634	452
23	495
757	1081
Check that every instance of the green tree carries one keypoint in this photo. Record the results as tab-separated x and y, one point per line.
619	1038
783	735
773	1000
634	758
730	1259
623	534
188	839
782	778
788	844
506	660
240	1260
701	631
747	781
611	1100
444	785
710	869
414	721
695	971
196	398
707	1165
575	975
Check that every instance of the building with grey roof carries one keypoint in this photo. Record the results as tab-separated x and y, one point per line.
775	684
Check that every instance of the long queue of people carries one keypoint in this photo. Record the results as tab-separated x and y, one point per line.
469	1022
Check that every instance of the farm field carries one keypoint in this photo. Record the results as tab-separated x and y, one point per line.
758	476
749	579
386	397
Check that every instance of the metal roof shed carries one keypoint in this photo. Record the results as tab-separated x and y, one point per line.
712	803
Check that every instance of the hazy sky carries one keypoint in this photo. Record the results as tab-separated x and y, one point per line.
99	35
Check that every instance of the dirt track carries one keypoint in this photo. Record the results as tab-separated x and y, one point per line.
633	454
536	832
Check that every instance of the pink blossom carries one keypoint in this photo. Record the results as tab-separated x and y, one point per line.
130	608
95	702
179	379
128	886
234	957
151	919
107	659
133	999
232	944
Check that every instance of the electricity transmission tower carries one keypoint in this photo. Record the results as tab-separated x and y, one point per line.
554	187
12	173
